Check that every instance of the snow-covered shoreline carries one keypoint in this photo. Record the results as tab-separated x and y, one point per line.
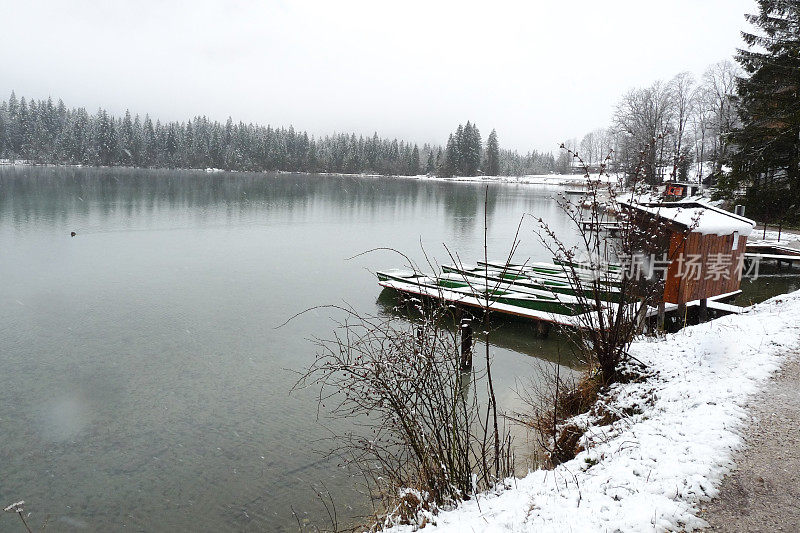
651	469
530	179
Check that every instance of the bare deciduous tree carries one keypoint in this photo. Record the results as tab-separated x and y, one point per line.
682	89
719	88
670	126
644	117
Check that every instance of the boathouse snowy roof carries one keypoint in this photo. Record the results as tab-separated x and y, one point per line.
699	216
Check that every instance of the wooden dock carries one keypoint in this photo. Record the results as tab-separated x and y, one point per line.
578	321
594	225
714	302
778	258
772	251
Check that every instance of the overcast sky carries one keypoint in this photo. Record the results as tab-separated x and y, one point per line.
539	71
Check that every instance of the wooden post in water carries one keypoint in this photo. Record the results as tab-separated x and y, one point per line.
543	328
466	344
703	310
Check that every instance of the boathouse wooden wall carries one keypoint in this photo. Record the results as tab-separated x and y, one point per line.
679	289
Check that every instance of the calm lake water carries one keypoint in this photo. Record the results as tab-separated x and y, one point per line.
144	384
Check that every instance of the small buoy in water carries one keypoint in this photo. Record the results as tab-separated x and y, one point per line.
72	234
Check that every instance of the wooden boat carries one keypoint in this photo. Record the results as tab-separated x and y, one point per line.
614	268
452	287
551	270
530	281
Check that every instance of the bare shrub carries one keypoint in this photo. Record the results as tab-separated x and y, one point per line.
426	434
619	252
418	422
617	269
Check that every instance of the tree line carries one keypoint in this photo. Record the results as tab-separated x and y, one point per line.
50	133
737	128
44	132
675	130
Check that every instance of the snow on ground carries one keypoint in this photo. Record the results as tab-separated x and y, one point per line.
649	470
786	236
576	180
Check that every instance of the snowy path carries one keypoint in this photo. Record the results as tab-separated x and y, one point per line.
762	494
655	468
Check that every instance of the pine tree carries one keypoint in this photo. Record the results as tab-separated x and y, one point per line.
430	166
106	139
171	144
126	139
137	144
80	137
149	143
767	156
4	145
413	167
61	141
448	166
188	153
14	139
23	127
459	148
471	150
492	166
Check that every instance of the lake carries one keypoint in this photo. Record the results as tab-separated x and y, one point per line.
145	385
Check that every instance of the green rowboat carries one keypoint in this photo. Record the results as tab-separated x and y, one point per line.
503	292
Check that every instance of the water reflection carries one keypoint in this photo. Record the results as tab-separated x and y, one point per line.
144	383
507	331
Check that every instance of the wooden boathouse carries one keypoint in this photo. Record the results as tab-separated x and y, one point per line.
706	250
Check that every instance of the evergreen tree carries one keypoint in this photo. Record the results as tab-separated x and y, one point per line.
430	166
126	139
459	147
767	156
4	147
137	143
492	166
80	138
471	150
413	167
448	166
14	140
171	144
188	151
106	139
23	127
149	143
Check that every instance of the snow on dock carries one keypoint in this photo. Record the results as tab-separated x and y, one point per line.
772	250
460	298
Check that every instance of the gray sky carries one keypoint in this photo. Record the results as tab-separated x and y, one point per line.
538	71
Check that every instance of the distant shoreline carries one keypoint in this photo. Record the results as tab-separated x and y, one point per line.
529	179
